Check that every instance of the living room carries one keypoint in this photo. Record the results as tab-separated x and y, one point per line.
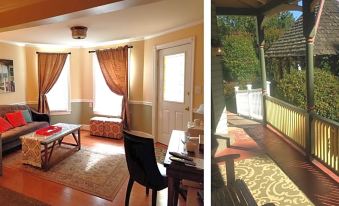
146	27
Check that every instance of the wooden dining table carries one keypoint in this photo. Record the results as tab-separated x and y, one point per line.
179	171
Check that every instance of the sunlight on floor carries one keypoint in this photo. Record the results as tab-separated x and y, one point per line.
222	124
107	149
93	160
103	149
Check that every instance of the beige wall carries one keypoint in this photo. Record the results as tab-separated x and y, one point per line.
194	31
140	75
17	54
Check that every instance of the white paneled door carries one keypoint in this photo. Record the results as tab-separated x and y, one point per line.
174	98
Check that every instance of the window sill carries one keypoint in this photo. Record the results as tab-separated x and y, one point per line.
56	113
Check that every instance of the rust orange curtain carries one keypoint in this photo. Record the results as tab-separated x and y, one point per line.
114	67
49	68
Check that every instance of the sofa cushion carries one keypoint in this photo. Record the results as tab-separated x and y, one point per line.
16	119
27	115
11	108
15	133
4	125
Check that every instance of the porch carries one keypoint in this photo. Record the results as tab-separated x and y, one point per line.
252	139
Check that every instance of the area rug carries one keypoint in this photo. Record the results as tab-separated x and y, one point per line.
100	173
267	182
160	154
11	198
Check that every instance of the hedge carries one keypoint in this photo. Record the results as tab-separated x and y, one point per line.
292	88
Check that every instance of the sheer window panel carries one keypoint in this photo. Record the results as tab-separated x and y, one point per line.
59	96
105	101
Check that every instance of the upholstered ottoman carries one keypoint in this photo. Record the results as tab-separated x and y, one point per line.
97	126
106	127
113	128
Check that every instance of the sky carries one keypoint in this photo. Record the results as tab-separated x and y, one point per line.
296	14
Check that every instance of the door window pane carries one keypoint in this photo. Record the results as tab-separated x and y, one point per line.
174	78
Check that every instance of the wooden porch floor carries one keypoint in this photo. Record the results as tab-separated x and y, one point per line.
252	138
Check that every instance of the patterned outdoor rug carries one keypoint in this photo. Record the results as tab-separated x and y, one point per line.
11	198
267	182
96	172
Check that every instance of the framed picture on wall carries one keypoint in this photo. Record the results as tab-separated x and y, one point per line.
6	76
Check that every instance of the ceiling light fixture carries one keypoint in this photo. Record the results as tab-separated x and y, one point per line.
79	32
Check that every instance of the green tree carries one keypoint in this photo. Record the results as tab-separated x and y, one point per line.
236	24
239	58
274	26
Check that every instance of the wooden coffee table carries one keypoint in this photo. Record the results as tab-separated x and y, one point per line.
37	149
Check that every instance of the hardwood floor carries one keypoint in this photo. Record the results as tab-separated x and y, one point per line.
57	194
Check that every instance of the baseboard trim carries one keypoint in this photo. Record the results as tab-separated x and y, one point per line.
85	127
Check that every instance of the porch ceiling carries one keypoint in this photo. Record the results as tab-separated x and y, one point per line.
254	7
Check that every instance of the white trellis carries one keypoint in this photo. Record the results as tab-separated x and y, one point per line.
249	101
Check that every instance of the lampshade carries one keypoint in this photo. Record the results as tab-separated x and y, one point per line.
79	32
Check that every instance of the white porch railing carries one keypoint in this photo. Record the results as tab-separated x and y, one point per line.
249	102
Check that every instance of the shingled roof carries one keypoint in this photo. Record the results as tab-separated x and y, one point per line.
293	42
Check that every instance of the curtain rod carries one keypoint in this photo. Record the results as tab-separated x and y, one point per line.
94	50
50	53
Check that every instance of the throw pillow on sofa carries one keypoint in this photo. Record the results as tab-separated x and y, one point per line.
16	119
4	125
27	115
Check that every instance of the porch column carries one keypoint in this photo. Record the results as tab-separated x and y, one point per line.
261	43
309	33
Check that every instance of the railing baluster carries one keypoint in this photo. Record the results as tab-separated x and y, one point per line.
291	121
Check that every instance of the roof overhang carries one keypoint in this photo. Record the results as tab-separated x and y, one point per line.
254	7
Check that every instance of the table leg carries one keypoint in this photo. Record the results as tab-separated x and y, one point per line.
173	185
77	139
60	141
176	191
171	189
45	158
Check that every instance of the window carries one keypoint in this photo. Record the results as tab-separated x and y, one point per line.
59	96
105	101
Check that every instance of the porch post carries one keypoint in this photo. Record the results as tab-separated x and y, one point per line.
261	43
309	33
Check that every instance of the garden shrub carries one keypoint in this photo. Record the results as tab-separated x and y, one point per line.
239	58
229	88
292	88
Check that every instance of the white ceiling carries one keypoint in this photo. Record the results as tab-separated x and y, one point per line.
131	23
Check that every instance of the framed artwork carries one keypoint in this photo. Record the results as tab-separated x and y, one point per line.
6	76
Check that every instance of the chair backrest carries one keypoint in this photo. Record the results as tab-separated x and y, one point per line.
141	162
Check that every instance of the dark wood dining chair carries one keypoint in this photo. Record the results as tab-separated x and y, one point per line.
142	165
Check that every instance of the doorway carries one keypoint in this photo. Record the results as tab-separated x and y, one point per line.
174	94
